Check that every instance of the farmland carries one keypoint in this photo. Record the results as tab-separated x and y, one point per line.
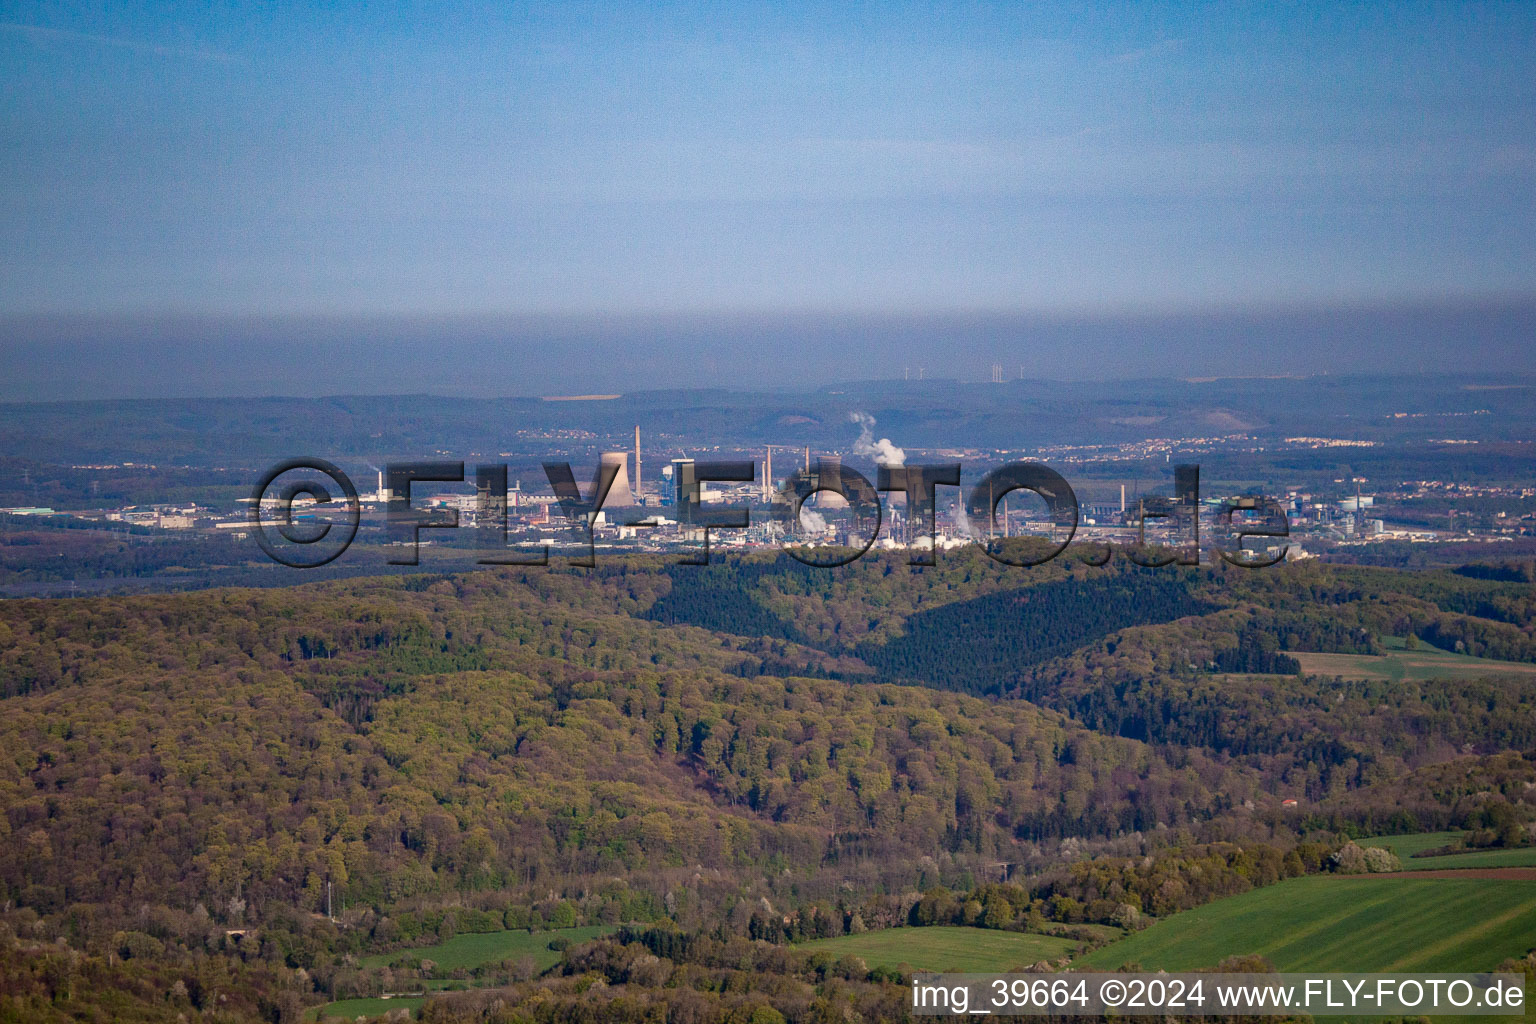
467	951
947	948
1329	923
1404	665
1406	846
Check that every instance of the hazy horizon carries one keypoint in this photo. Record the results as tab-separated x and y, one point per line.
546	198
185	357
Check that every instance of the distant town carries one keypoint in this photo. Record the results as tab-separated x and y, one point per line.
645	512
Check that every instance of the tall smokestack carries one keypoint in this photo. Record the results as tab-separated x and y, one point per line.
807	458
768	472
639	490
1122	499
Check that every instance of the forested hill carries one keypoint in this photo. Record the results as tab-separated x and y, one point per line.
646	742
498	730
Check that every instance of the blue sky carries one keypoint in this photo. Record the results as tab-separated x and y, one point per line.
570	159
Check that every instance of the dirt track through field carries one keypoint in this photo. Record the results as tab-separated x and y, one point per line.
1511	874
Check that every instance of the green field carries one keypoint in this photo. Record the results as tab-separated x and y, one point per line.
1329	923
348	1009
946	948
1406	846
473	949
1401	664
470	950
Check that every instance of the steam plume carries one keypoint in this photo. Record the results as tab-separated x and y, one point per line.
885	453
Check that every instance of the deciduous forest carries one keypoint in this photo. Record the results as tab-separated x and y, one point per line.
236	804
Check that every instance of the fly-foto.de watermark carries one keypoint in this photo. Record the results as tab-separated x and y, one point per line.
284	503
1216	994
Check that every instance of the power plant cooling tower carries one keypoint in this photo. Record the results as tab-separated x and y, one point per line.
619	496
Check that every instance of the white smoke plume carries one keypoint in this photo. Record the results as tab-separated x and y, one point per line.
812	521
963	524
885	453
